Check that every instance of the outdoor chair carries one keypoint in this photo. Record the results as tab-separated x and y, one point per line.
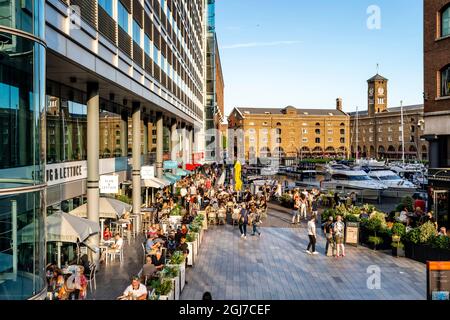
212	218
112	253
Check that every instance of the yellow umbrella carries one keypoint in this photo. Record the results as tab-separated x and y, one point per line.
237	176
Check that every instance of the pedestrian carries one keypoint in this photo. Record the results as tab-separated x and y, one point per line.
312	236
243	221
295	208
328	230
303	206
338	229
315	207
255	219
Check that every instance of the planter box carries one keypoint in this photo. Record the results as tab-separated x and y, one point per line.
170	296
205	221
181	277
176	288
424	253
200	237
191	255
196	244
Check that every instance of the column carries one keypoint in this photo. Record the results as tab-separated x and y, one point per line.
124	133
174	141
136	162
190	145
145	142
159	145
184	144
92	159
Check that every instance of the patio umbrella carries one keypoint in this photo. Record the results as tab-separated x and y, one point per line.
61	227
237	176
109	208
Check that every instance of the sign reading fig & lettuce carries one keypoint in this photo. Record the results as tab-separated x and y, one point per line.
170	164
109	184
147	172
438	280
352	233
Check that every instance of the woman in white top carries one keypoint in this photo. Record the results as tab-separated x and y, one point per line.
312	235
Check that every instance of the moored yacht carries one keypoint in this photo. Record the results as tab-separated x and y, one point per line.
396	186
353	180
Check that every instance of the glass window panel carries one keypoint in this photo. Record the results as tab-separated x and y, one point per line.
123	17
446	22
445	81
136	32
107	5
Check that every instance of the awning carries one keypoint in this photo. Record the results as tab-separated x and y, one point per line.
192	167
171	177
182	172
152	183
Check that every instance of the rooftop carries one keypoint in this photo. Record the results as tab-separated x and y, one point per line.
377	77
415	107
278	111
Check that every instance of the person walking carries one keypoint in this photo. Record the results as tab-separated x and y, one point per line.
303	206
255	219
243	221
338	229
328	230
296	208
312	236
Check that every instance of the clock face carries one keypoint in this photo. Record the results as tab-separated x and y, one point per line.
371	91
380	91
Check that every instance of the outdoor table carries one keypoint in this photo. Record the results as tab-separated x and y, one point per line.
70	269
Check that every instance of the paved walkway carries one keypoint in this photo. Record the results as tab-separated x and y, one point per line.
276	267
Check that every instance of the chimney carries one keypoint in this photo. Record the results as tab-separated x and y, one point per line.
339	104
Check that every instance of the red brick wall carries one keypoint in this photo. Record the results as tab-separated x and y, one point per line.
436	55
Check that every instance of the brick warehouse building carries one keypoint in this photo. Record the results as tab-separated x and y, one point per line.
290	132
437	103
379	127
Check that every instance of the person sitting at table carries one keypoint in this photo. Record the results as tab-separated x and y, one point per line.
150	244
136	290
107	234
184	229
56	282
85	264
75	287
158	260
148	270
118	242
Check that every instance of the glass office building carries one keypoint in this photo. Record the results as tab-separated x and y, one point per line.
22	152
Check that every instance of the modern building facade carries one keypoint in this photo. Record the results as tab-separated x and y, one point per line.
90	88
379	128
437	103
288	132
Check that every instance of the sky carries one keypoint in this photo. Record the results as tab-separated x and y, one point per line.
307	53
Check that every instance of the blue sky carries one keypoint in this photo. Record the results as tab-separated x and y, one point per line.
306	53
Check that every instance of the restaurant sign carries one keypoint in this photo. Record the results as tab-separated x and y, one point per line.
65	172
438	280
147	172
352	233
109	184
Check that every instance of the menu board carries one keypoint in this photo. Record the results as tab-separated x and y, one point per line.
438	280
352	233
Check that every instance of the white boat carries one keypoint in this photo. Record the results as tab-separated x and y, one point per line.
396	186
372	163
354	181
416	172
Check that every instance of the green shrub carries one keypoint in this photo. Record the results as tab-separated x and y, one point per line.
176	211
413	236
399	229
351	218
190	237
170	272
327	213
397	244
406	202
124	198
376	241
427	232
440	242
163	287
177	258
194	227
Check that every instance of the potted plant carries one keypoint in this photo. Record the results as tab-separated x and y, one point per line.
172	273
195	228
398	232
163	289
175	216
178	259
190	240
375	241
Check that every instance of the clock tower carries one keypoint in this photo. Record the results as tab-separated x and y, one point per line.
377	94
